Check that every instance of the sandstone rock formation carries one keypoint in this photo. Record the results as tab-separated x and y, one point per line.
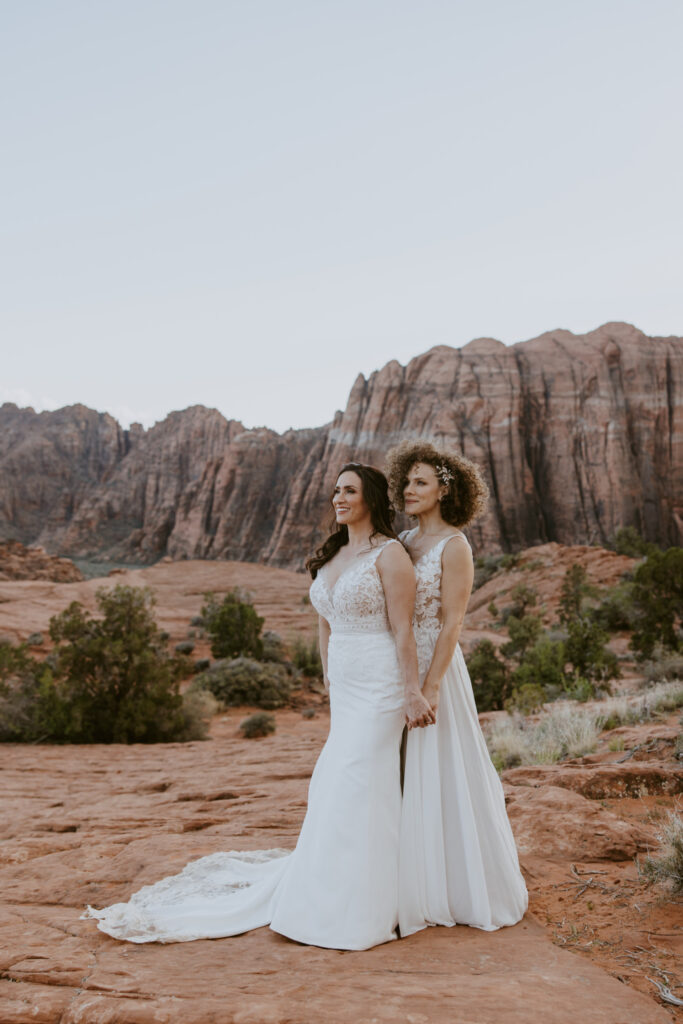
576	434
21	563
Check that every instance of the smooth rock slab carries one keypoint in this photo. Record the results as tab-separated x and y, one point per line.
129	807
514	976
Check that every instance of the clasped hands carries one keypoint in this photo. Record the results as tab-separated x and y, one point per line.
421	707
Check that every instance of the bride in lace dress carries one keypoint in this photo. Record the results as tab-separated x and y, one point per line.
339	887
458	859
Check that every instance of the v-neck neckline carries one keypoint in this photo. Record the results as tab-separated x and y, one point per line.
354	565
434	547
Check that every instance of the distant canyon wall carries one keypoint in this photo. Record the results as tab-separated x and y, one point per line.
577	435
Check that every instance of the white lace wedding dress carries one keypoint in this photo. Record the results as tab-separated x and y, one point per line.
339	887
458	861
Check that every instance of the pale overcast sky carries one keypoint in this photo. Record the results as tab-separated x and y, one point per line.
245	203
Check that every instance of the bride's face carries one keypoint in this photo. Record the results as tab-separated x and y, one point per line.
348	501
423	489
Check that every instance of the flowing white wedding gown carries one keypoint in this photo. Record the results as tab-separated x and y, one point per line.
458	861
339	887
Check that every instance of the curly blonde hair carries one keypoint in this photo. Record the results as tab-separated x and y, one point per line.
467	491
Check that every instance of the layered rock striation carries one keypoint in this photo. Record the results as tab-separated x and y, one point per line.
577	435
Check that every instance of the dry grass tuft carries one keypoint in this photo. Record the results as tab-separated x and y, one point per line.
668	867
569	730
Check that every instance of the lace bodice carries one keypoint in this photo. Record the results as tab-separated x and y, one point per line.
427	619
356	602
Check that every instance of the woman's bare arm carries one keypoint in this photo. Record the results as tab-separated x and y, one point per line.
457	576
398	580
323	641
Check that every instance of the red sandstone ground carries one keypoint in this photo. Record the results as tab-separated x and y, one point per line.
94	823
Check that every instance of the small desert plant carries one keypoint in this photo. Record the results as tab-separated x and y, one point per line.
668	866
485	567
661	698
526	698
233	625
273	647
616	610
664	665
260	724
199	707
523	598
241	681
510	560
306	656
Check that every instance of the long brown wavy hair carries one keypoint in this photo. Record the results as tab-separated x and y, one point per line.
375	491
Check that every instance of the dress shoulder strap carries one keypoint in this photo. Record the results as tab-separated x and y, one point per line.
375	553
453	536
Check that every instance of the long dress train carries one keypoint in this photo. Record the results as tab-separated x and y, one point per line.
339	887
458	861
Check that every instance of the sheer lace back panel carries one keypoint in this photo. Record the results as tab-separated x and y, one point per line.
356	602
428	571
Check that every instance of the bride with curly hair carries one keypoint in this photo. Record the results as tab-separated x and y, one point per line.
458	861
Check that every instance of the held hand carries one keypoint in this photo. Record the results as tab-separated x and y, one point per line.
431	694
419	711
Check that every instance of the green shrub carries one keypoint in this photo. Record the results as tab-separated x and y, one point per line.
523	634
22	680
523	598
527	698
575	589
510	560
239	681
586	650
627	541
108	680
543	665
257	725
489	675
233	625
580	689
306	656
273	647
617	610
658	594
114	675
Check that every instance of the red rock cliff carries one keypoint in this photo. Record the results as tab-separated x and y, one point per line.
577	435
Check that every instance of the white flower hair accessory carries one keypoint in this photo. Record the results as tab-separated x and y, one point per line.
444	474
